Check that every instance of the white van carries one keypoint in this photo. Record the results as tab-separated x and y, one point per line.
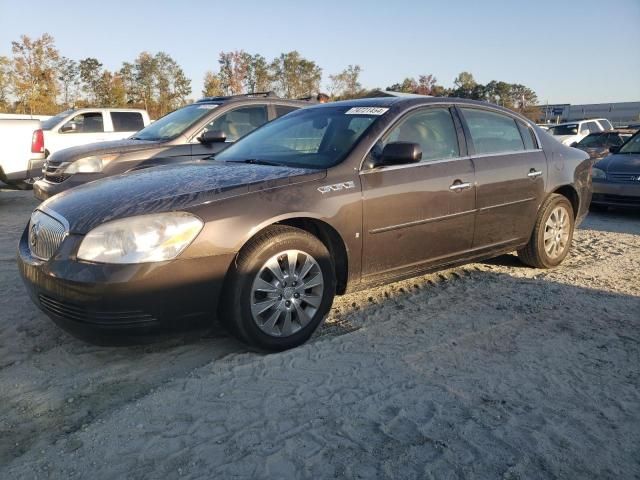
89	125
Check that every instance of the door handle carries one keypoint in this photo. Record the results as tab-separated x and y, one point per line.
533	173
457	186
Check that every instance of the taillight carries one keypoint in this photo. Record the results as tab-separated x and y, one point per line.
37	142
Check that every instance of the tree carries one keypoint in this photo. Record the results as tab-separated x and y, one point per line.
212	85
110	90
34	74
257	77
408	85
69	77
346	84
145	67
294	76
464	86
234	67
5	82
172	84
425	85
91	75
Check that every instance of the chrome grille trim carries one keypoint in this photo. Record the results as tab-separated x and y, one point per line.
624	177
46	233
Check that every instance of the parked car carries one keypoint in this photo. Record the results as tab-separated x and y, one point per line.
323	201
192	132
21	151
570	132
597	144
89	125
616	178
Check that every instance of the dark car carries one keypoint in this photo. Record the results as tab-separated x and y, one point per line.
323	201
597	144
191	132
616	178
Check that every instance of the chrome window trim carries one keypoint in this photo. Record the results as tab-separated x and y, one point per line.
488	107
452	159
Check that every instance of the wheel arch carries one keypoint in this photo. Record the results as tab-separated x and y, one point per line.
322	230
569	192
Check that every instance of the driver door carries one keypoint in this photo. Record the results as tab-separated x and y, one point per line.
419	214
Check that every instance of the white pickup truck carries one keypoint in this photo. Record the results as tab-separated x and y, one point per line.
21	151
89	125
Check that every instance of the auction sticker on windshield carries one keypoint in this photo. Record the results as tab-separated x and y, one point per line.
207	106
366	111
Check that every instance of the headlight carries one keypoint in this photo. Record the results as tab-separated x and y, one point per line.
598	173
145	238
91	164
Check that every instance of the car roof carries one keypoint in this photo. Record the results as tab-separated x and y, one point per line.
261	97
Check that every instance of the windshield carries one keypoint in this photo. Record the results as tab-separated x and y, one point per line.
49	123
632	145
569	129
593	140
175	123
311	138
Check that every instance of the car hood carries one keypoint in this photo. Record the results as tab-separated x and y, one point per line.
167	188
566	139
101	148
595	153
620	163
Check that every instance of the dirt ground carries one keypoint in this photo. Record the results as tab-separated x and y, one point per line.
491	370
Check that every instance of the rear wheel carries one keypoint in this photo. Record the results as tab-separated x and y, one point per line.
552	234
280	289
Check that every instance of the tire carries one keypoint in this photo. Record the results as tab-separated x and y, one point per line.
268	306
555	212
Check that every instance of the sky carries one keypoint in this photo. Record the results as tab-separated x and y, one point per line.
582	51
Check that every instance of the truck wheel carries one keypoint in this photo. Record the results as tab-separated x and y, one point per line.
280	289
552	234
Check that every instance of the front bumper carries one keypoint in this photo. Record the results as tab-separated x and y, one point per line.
107	303
616	194
43	189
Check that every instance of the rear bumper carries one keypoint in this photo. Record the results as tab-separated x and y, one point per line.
616	194
109	304
34	170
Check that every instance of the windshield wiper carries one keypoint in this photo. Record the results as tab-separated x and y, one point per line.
257	161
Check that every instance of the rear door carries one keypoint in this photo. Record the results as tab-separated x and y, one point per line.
511	171
235	124
125	124
421	213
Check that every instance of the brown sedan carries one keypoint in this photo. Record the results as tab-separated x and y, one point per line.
320	202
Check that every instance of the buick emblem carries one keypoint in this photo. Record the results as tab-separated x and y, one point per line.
33	234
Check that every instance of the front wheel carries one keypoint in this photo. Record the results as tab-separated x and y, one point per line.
552	234
280	289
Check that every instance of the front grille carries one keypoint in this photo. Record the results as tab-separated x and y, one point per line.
93	316
45	235
52	172
624	177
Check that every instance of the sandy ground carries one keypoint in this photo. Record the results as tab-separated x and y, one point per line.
491	370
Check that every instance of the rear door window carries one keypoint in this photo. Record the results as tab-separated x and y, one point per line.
127	121
592	127
284	109
239	122
606	124
492	132
88	122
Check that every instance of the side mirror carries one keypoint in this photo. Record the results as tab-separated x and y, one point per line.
212	136
614	149
69	127
574	144
399	153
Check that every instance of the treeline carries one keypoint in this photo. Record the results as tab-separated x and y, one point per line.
38	80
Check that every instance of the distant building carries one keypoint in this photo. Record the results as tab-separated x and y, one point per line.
621	113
